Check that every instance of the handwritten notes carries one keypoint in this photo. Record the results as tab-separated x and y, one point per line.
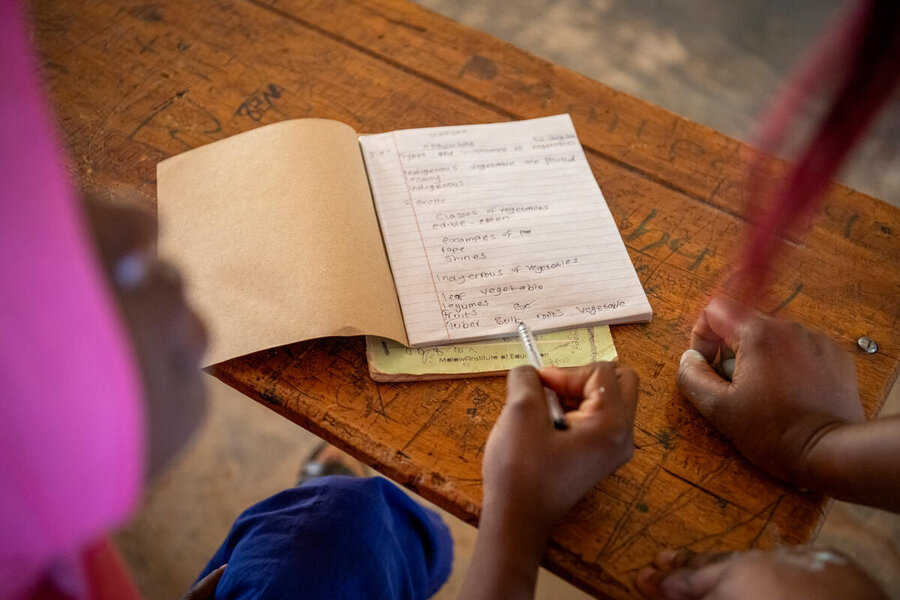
488	225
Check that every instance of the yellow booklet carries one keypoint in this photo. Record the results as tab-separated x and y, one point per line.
392	361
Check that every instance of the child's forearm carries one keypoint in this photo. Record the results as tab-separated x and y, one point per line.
858	463
507	555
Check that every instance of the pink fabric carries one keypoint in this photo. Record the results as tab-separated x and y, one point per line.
71	430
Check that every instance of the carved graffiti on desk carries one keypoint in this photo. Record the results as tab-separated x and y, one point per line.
177	118
585	113
480	67
677	145
477	426
784	303
146	46
849	225
148	13
259	102
723	186
687	247
613	123
639	132
541	90
661	502
662	239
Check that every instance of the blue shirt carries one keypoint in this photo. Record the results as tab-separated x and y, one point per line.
333	538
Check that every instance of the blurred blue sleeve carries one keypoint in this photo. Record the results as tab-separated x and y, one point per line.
335	537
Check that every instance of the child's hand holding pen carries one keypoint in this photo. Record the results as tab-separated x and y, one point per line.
533	473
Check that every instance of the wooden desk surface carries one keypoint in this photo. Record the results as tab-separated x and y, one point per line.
134	83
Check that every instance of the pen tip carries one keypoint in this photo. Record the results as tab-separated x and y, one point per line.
560	424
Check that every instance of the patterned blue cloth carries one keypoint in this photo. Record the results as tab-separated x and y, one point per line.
334	538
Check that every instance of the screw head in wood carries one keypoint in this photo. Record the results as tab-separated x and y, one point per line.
867	344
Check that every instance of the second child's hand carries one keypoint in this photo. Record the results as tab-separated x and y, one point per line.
792	406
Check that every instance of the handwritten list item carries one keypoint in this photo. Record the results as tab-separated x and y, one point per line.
488	225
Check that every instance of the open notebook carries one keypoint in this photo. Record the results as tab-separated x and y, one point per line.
304	229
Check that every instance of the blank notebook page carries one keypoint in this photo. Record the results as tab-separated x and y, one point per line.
488	225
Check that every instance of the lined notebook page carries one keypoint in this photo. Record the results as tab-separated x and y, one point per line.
488	225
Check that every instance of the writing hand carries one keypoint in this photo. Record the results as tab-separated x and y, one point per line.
534	473
791	387
543	471
783	574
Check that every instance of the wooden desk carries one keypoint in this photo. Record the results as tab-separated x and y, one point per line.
135	83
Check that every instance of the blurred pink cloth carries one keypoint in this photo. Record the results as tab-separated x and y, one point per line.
71	432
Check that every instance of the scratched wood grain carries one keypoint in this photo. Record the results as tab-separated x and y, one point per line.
133	83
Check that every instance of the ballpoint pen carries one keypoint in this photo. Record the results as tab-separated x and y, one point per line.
557	416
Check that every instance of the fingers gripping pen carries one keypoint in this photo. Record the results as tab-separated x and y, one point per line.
557	416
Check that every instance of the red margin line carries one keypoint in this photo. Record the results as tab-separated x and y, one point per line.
421	239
